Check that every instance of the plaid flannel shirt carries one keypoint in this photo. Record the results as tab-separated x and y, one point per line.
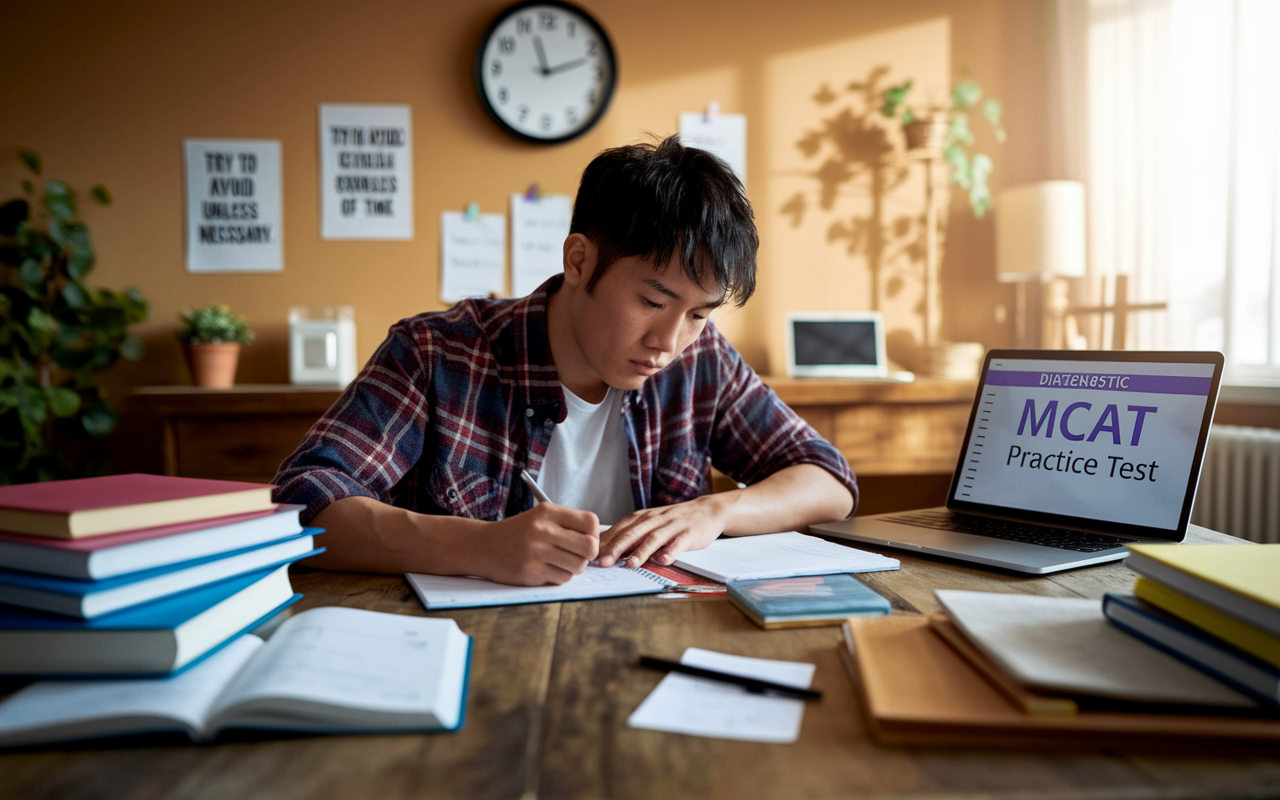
454	404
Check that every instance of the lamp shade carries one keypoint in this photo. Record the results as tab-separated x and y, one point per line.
1040	232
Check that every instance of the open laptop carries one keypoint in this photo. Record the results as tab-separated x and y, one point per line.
1068	457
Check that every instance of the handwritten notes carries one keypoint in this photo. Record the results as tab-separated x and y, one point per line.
233	205
538	230
725	135
472	255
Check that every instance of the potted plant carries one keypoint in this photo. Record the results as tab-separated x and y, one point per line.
947	129
212	336
56	334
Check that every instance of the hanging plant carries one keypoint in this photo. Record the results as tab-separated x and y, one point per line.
56	334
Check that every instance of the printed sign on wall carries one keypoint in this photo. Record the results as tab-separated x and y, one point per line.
233	205
725	135
472	250
366	172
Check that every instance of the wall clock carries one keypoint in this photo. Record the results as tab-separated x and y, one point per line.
545	71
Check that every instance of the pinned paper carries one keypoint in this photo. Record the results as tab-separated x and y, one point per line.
725	135
472	254
539	226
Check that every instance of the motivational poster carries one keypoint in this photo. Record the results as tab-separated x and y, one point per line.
366	172
234	208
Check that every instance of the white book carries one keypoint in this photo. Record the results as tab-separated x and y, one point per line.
779	555
327	670
1065	644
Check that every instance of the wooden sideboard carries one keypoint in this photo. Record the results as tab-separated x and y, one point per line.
241	433
902	439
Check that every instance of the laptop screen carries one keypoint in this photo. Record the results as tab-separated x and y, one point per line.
1109	441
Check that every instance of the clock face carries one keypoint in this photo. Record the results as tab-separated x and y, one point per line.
545	71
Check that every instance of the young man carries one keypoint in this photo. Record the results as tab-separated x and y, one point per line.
608	384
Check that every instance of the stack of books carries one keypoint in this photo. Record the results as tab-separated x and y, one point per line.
1215	607
139	575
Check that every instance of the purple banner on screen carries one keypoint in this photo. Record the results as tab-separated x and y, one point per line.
1150	384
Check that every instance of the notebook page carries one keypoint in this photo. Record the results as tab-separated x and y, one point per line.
348	658
779	555
442	591
72	709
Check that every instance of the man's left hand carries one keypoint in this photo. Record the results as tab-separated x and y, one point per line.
663	533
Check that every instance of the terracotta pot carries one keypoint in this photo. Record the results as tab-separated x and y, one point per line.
213	365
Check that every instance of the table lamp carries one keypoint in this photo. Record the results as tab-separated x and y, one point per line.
1040	236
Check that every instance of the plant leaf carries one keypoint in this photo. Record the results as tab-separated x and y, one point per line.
99	194
132	349
63	402
965	94
31	275
31	158
61	206
28	186
74	294
98	419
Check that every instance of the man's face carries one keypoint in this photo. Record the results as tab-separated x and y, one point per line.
636	321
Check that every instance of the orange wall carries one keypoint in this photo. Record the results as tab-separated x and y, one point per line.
107	93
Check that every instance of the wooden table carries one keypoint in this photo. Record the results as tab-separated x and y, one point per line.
553	684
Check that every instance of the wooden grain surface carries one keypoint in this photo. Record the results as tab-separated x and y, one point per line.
553	684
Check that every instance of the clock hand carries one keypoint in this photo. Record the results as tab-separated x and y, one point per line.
567	65
542	56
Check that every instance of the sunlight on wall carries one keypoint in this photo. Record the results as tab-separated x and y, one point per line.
818	206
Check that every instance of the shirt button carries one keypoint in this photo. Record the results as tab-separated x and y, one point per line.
453	494
548	423
528	412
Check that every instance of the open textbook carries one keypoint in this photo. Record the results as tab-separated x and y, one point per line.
327	670
773	555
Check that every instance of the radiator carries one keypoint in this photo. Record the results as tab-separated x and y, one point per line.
1239	489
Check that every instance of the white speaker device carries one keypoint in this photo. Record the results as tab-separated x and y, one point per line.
322	345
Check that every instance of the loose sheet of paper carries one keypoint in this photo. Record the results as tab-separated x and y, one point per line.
725	135
538	230
471	255
700	707
779	555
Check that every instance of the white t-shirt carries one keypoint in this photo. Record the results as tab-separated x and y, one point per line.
587	463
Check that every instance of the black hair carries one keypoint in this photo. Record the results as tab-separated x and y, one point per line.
657	200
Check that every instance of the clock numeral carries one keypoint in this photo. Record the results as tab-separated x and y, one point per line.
496	69
592	47
507	44
600	73
524	112
546	122
547	20
573	29
591	97
571	115
503	95
524	25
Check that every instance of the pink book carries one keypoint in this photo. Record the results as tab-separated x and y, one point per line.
112	504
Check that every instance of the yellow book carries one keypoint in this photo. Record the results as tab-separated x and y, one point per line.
1241	581
1225	627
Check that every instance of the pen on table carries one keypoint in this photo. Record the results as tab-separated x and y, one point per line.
753	685
534	487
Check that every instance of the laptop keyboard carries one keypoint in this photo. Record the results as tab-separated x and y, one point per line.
1042	535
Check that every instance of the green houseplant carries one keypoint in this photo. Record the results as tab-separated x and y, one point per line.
948	128
56	334
212	336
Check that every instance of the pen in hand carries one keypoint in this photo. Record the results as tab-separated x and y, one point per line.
753	685
540	495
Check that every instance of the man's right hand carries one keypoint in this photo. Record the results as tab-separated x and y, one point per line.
548	544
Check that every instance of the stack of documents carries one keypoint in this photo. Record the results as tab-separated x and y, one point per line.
1025	669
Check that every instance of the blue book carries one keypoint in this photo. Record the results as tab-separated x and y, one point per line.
154	639
90	599
324	670
805	601
1209	654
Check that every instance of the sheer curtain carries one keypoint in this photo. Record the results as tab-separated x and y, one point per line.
1169	111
